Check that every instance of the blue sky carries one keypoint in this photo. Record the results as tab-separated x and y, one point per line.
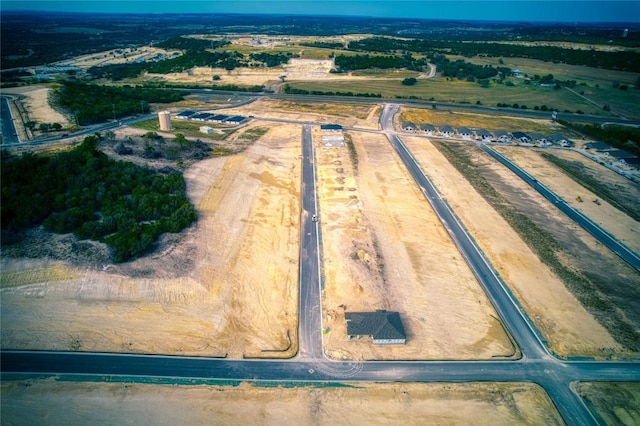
500	10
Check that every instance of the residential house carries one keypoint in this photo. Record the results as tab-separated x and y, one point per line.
464	133
502	136
539	139
408	127
445	131
383	327
521	137
428	129
484	135
561	140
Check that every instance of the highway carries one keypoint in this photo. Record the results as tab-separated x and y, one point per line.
310	365
587	224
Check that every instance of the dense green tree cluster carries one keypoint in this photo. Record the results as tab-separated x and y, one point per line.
273	59
117	72
360	62
93	104
616	60
189	43
461	69
83	191
324	44
622	137
199	58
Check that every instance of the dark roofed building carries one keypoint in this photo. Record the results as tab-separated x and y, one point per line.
236	119
185	114
445	131
503	136
203	116
408	126
427	128
561	140
384	327
631	162
522	137
464	132
219	118
618	154
484	135
598	146
331	128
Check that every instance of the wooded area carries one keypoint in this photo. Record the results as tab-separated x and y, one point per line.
622	60
91	103
84	192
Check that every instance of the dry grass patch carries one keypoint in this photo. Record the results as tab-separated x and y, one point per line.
492	122
360	111
612	403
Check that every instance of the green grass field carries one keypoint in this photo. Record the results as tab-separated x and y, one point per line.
441	90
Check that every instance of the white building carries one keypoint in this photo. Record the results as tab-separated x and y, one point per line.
164	117
207	130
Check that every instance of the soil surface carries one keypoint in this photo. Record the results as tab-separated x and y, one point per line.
384	248
569	328
53	402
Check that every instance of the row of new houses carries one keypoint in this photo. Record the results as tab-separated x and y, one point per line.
618	155
210	118
488	136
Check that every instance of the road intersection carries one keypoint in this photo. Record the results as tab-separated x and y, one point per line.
310	365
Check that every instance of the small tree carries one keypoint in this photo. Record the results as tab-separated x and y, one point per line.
409	81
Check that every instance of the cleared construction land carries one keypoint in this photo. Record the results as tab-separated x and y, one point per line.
35	402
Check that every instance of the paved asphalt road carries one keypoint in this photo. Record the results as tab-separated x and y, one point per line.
536	365
600	234
310	318
7	126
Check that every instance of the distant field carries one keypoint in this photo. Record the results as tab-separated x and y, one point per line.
386	73
490	122
462	92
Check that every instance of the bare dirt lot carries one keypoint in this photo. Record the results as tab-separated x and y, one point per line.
52	402
570	329
226	286
384	248
36	101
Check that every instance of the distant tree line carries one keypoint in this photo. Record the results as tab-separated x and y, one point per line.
346	63
294	91
323	44
615	60
94	104
84	192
